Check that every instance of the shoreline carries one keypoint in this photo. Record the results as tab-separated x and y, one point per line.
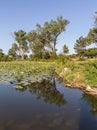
85	88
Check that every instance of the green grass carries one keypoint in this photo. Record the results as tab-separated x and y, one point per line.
25	72
80	72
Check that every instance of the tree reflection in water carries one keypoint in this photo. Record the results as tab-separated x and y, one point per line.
92	102
46	90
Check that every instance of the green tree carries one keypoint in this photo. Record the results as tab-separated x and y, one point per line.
92	36
53	29
21	42
13	51
80	45
1	55
65	49
37	43
46	36
91	52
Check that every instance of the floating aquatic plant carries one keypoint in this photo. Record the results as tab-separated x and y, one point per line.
23	73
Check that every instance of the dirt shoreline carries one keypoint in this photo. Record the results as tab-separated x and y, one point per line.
85	88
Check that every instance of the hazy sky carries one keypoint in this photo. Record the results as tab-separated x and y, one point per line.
25	14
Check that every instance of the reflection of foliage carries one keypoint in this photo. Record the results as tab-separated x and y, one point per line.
46	90
36	76
92	101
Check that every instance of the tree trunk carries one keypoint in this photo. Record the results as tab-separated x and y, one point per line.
53	48
22	54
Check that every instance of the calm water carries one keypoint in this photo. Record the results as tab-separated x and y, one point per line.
46	106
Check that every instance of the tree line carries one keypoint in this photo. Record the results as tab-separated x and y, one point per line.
41	42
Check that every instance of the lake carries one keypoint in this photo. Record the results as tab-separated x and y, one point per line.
46	106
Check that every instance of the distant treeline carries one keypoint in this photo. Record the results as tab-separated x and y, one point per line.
41	42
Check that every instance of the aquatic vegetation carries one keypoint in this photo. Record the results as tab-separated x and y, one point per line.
22	73
37	77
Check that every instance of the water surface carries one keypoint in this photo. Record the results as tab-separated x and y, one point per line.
46	106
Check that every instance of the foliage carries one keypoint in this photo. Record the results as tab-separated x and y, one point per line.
37	42
95	21
43	40
90	53
63	59
78	71
13	51
21	45
92	35
91	72
75	73
25	72
38	77
80	45
4	57
65	49
54	29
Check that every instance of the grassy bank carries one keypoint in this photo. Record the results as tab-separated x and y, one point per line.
82	72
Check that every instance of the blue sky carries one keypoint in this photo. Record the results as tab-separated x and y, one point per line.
25	14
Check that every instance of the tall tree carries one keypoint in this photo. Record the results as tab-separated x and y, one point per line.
47	34
21	42
53	29
37	43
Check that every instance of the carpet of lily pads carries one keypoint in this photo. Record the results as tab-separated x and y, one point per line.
23	73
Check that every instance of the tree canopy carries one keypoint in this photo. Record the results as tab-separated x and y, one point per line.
21	44
65	49
42	41
45	37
